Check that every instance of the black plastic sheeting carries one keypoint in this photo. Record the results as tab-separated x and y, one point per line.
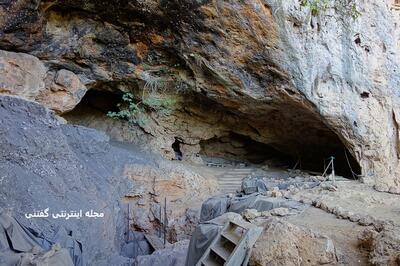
20	245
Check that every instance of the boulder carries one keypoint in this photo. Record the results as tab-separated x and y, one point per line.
283	243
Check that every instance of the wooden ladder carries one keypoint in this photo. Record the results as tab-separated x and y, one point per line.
232	246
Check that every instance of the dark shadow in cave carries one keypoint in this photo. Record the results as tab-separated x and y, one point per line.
311	158
95	103
102	101
239	147
176	146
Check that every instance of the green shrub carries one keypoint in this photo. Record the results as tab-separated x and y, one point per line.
135	111
315	5
346	7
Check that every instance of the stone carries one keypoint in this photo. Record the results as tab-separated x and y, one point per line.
172	255
280	212
184	190
64	91
64	167
383	246
26	76
276	194
283	243
21	74
366	220
250	214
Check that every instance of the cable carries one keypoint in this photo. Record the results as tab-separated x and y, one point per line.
348	163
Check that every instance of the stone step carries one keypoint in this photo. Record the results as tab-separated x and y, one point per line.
237	173
230	186
231	179
233	176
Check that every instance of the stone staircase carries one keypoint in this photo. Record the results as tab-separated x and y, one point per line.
231	181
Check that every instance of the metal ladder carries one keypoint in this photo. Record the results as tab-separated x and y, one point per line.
232	246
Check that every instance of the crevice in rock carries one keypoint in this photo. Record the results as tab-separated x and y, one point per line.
96	101
176	146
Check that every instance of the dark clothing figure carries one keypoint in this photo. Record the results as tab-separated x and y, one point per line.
177	149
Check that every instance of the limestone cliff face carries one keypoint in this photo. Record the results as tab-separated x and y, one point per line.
305	84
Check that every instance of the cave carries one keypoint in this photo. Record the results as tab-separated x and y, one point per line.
289	134
313	158
238	147
97	101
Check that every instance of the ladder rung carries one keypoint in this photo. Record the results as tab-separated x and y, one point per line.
210	262
243	225
220	251
231	237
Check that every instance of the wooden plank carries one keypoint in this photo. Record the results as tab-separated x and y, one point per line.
231	237
220	251
155	242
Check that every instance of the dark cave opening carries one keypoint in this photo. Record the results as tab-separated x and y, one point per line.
239	147
94	107
312	158
176	146
98	100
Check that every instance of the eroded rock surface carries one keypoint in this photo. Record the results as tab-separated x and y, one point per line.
183	189
308	85
45	164
383	246
282	243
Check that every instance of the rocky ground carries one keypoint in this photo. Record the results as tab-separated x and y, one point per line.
62	166
274	83
341	223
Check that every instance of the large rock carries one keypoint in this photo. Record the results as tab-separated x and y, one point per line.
172	255
45	164
383	246
283	243
64	91
21	74
26	76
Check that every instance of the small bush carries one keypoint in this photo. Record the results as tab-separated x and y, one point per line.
347	7
135	111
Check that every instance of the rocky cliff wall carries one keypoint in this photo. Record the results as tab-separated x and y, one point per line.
309	84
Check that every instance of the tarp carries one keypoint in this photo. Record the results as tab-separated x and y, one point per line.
253	184
204	234
173	255
256	184
206	231
254	201
20	245
214	207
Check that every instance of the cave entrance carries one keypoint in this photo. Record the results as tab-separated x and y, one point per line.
176	146
313	157
96	101
238	147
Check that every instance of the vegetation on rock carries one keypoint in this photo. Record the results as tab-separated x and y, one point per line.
135	111
348	7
